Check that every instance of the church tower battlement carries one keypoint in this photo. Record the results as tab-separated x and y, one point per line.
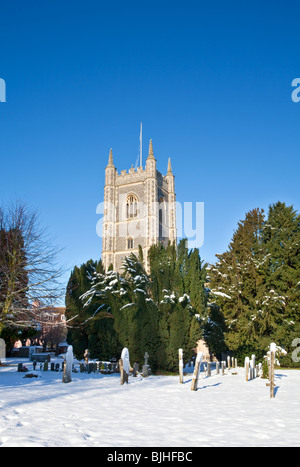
139	209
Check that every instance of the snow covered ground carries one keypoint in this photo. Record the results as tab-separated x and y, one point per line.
94	410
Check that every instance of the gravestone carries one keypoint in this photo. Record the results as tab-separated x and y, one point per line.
247	363
67	375
146	367
196	374
124	365
135	369
2	350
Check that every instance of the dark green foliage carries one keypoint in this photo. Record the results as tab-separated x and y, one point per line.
255	284
92	326
146	313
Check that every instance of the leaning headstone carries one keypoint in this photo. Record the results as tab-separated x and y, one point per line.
2	350
196	371
67	375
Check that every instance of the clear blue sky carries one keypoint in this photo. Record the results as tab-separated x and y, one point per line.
211	82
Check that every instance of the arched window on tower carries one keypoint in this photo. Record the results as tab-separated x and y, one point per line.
131	206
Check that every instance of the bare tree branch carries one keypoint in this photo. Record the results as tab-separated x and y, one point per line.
29	276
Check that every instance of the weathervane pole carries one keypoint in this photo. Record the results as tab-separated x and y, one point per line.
141	145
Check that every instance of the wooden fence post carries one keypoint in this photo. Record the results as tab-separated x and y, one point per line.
196	371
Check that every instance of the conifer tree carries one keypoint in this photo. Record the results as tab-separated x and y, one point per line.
255	283
235	281
92	326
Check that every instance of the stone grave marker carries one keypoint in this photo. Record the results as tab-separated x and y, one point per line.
67	375
146	367
196	374
135	369
124	365
2	350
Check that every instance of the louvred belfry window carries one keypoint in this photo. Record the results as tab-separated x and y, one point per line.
131	206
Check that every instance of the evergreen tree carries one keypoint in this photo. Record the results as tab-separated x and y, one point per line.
151	313
235	282
255	284
282	238
89	326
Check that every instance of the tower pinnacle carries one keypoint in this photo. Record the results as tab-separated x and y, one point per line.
150	156
110	158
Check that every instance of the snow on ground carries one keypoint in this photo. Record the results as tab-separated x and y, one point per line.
94	410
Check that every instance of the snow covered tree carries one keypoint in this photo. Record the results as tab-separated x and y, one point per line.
235	282
281	235
150	313
175	274
255	283
90	326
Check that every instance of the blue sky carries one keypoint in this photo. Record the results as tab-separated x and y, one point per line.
211	82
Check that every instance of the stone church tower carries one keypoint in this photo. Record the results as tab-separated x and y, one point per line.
139	209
